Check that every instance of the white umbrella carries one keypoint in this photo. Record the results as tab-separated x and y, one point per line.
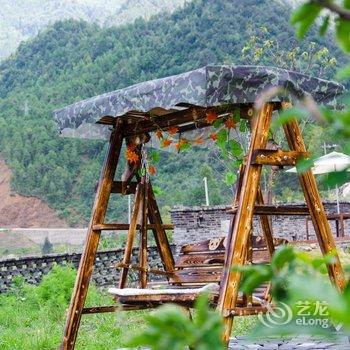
345	190
329	163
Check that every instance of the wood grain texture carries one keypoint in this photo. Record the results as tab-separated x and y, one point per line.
281	209
207	259
99	309
314	203
119	187
143	234
201	259
183	299
266	225
92	240
277	157
159	233
237	250
218	245
116	226
193	114
140	268
197	275
130	238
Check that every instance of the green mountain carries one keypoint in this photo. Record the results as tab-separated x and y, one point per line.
21	20
73	60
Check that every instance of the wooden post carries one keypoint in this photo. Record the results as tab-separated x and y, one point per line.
235	203
92	240
314	203
160	236
238	237
153	215
248	298
239	183
131	235
266	225
143	235
264	219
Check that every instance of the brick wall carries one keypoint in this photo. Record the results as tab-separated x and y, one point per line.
193	224
33	268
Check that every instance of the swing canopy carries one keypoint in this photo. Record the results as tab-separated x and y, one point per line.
210	86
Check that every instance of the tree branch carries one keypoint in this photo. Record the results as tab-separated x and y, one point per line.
330	5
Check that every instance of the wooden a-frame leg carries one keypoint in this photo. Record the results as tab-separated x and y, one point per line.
238	237
153	215
160	236
247	298
92	240
143	235
264	220
268	235
266	225
235	203
314	203
131	234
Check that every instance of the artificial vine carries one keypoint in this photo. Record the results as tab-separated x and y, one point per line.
221	134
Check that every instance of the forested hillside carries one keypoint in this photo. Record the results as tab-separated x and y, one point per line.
23	19
74	60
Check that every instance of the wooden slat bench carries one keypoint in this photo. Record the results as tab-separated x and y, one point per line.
198	269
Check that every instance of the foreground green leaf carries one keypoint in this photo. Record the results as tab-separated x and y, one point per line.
304	16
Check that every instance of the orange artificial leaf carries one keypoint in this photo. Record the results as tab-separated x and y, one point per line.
173	130
151	170
213	136
181	144
166	142
131	155
159	134
230	123
211	117
199	140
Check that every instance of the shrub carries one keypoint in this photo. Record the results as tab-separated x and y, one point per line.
47	246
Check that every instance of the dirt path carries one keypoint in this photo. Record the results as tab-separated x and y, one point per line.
21	211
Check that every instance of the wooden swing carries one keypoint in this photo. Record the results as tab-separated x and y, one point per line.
204	266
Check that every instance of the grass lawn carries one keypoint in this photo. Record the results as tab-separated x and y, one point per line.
32	317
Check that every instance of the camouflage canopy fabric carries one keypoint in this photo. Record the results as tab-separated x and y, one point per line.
205	87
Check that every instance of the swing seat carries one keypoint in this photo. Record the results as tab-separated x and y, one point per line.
198	269
186	296
181	296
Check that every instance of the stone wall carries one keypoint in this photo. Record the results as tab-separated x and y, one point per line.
193	224
33	268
